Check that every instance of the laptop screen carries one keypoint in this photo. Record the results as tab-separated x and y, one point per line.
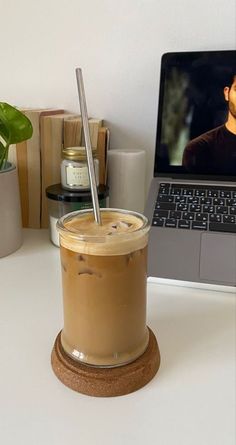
196	128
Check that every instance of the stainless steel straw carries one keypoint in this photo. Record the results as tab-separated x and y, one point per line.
84	114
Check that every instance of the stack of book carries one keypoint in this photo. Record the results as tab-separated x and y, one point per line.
38	159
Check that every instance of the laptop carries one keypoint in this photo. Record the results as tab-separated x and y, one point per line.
192	198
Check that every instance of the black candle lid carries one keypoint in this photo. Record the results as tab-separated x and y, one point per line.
57	193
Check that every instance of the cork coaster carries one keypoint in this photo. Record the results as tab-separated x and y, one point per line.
106	382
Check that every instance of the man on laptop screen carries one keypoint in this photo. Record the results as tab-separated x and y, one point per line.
216	149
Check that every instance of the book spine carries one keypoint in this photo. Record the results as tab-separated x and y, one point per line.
72	132
33	172
94	126
28	165
51	144
22	167
102	147
52	138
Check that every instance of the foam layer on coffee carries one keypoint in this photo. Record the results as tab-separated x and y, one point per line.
119	234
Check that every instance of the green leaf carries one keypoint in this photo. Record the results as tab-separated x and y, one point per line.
14	126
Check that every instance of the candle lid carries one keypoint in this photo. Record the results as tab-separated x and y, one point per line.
76	153
57	193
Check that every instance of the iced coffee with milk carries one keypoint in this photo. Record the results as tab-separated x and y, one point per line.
104	286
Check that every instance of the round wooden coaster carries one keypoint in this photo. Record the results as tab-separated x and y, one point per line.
106	382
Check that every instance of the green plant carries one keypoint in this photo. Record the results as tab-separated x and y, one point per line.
15	127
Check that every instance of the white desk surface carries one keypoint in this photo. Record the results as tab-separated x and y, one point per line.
191	401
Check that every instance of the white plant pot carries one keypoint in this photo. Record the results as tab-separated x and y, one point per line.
10	211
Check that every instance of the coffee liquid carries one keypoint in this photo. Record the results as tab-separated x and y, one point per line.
104	287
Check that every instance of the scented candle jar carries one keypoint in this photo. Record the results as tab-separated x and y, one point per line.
74	169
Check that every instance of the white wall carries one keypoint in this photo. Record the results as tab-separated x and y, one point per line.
118	44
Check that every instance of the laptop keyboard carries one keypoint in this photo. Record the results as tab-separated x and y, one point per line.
195	207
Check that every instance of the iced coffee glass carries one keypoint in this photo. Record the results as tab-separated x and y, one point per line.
104	286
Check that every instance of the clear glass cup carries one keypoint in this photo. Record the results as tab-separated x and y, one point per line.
104	278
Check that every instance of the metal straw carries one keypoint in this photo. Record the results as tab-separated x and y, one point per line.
84	114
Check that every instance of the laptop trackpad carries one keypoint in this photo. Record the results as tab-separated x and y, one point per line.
218	257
